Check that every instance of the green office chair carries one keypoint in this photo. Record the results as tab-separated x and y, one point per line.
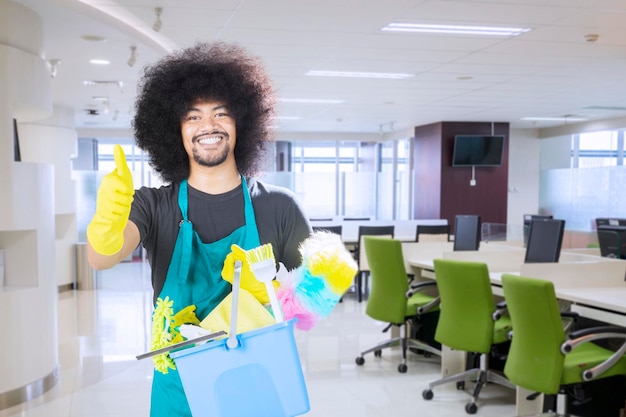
466	323
361	280
540	358
388	300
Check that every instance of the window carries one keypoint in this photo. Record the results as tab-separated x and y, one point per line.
598	149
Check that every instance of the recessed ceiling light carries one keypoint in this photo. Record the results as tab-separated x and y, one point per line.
454	29
311	100
288	118
555	119
93	38
99	61
353	74
100	98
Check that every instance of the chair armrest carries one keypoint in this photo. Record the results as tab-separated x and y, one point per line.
500	311
570	317
570	314
418	286
429	306
597	333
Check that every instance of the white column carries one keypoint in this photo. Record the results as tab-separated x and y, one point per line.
29	353
54	141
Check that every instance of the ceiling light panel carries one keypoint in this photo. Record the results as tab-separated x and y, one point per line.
310	101
353	74
454	29
555	119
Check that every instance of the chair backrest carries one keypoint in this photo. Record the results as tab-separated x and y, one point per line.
544	240
528	219
432	233
332	229
535	361
387	297
610	243
382	231
466	232
467	305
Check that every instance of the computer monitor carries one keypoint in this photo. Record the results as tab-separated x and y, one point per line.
544	240
612	240
528	218
466	232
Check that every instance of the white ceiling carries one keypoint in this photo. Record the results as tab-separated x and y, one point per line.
549	71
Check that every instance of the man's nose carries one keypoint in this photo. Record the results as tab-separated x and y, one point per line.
209	123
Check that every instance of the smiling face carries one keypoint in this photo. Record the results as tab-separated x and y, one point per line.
209	134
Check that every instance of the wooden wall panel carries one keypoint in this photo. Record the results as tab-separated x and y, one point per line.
448	188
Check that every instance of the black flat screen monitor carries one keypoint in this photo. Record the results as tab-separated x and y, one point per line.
528	218
544	240
466	232
612	240
477	150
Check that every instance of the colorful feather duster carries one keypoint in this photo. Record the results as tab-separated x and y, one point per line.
311	291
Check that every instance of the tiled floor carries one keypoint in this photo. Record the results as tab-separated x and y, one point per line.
102	331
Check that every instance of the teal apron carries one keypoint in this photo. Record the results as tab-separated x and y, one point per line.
194	277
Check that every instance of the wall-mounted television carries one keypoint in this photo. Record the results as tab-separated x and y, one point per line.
477	150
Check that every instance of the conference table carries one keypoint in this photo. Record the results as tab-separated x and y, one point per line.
588	284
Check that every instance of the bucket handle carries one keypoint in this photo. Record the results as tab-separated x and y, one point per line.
232	342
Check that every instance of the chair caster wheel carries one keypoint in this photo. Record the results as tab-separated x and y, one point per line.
471	408
360	360
460	385
427	394
378	353
402	368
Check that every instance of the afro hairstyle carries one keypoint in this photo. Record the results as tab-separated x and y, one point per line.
207	71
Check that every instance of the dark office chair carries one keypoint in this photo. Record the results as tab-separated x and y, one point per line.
391	301
466	323
432	233
528	219
541	357
610	243
333	229
466	232
361	278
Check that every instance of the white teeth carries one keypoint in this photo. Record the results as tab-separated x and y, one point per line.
209	140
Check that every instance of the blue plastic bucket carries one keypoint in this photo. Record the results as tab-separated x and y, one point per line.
262	377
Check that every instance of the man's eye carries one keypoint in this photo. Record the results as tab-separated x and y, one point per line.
221	115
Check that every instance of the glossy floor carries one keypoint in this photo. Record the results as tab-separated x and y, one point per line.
101	332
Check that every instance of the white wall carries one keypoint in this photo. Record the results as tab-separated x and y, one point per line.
524	163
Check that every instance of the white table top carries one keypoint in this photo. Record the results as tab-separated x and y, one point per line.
611	298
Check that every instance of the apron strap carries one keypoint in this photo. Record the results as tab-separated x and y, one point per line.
185	233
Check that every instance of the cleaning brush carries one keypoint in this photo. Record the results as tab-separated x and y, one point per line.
263	266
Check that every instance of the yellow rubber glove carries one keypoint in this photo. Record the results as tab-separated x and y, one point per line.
248	281
115	195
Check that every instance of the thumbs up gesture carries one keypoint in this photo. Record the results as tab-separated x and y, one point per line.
105	232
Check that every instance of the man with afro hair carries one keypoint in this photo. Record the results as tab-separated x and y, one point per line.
203	115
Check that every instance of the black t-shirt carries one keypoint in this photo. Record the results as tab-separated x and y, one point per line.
279	218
